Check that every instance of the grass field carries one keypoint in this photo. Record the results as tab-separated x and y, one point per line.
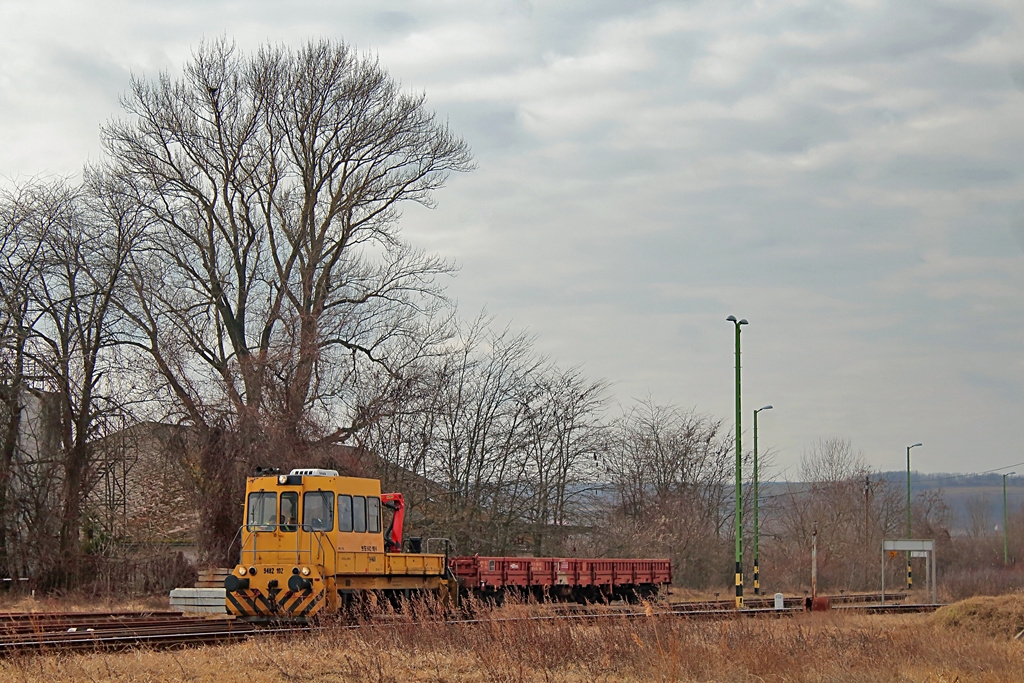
970	641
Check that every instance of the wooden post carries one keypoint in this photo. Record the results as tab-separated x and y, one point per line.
814	563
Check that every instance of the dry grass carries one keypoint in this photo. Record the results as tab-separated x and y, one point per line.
999	617
74	602
822	647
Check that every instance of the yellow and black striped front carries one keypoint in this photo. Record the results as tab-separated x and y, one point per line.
252	603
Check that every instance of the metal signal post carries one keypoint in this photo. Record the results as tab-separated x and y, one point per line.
739	471
757	568
1006	545
910	571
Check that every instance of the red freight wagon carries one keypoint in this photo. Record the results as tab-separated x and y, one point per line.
560	578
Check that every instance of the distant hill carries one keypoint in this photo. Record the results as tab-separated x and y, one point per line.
957	490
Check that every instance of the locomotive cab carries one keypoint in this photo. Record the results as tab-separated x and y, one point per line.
313	541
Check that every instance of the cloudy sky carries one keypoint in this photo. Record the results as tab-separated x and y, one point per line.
848	176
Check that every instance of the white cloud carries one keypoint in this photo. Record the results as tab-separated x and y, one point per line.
729	60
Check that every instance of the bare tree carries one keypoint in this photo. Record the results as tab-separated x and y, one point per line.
81	264
979	516
63	270
494	445
564	436
272	277
17	254
831	460
477	450
668	471
852	509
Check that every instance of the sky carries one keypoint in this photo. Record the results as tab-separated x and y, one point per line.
847	176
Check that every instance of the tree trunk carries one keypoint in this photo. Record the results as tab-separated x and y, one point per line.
8	447
219	496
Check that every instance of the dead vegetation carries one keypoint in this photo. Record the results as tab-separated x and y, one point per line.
828	647
79	601
998	617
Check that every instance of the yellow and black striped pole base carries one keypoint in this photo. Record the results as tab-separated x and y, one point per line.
910	576
739	586
757	578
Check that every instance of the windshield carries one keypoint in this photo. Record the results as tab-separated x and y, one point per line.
318	511
289	510
262	511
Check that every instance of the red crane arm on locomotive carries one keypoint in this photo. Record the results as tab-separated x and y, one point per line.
393	536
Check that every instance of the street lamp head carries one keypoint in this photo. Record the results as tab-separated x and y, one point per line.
768	407
743	321
1009	474
731	318
915	445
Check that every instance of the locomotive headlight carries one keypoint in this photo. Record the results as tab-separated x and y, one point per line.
282	479
241	570
252	571
305	571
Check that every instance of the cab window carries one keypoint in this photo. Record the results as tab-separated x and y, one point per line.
344	513
373	515
359	513
289	510
262	511
318	511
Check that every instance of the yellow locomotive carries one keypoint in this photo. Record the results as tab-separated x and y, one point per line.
312	542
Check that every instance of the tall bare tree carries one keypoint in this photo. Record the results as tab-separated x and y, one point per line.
64	269
477	452
18	251
272	273
564	438
81	264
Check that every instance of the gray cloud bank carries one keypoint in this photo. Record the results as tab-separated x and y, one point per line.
847	175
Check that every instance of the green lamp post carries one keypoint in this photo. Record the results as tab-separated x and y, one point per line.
1006	544
739	470
757	568
910	573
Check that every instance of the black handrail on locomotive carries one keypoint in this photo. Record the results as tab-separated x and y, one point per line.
266	528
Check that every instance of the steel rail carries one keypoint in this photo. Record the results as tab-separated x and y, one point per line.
73	625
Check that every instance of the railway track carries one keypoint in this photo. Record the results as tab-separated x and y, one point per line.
77	631
768	601
65	631
891	609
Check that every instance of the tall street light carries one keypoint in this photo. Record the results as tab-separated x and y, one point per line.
1006	547
910	574
739	471
757	572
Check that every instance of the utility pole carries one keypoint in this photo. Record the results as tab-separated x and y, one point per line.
1006	545
867	520
757	500
910	571
739	470
867	510
814	564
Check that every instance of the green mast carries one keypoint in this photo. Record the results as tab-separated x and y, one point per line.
739	470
